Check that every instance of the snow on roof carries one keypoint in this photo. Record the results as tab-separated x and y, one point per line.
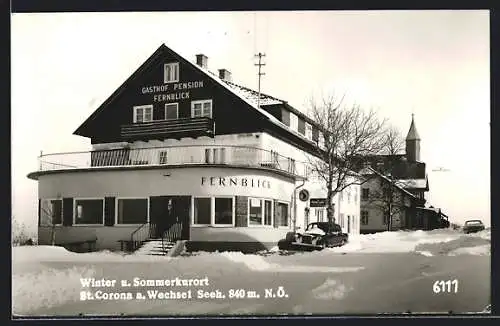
250	97
413	183
369	170
253	96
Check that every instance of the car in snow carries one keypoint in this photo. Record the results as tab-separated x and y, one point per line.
316	236
471	226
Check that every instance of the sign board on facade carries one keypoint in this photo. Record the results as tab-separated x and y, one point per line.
317	202
304	195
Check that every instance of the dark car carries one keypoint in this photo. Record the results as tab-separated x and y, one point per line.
471	226
317	235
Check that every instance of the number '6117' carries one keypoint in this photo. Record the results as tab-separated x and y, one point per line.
450	286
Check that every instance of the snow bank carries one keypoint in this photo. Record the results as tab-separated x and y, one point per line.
257	263
331	289
46	288
33	254
484	250
427	243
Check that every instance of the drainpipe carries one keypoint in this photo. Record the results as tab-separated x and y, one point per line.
295	203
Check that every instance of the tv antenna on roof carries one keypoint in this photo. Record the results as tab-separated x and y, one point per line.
260	74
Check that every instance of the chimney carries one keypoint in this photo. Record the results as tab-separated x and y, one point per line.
201	60
225	75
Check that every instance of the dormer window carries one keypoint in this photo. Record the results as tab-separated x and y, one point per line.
171	72
309	131
143	113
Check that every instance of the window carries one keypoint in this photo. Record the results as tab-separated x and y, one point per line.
201	109
364	217
260	212
163	157
386	218
282	214
171	72
365	193
320	214
221	215
132	211
215	155
291	165
355	195
255	212
321	140
89	211
171	111
202	210
143	113
309	131
341	216
348	196
223	211
341	195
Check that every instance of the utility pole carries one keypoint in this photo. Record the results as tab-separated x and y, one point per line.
260	74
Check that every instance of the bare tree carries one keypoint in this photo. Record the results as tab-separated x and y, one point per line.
389	196
347	134
51	217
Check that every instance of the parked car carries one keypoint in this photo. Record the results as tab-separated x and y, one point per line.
471	226
316	236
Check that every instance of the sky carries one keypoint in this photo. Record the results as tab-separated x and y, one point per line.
434	64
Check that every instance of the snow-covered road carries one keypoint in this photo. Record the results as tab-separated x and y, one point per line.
399	267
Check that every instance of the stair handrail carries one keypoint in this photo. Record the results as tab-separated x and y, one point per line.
173	233
140	234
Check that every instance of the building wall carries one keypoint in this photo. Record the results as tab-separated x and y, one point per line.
345	206
375	212
189	181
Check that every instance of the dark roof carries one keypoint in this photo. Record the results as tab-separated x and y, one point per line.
412	133
248	95
82	130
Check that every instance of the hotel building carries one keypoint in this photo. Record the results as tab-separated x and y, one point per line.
178	145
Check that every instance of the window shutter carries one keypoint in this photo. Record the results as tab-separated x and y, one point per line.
241	211
39	212
67	211
109	211
277	214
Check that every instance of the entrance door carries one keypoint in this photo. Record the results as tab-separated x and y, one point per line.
165	211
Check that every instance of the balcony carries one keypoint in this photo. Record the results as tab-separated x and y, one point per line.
162	129
193	155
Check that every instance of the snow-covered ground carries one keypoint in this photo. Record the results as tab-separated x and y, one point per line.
443	241
45	277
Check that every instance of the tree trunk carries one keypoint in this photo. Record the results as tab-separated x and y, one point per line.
389	222
330	214
53	235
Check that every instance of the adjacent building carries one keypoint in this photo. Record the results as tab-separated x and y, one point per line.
179	145
400	181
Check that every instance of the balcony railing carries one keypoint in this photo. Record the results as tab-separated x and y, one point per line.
240	156
177	128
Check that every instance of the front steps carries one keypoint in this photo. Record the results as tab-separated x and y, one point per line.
154	247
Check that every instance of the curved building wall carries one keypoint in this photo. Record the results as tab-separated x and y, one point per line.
240	186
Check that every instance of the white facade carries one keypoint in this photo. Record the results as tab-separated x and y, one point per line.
372	215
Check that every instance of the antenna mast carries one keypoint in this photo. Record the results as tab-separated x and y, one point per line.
260	74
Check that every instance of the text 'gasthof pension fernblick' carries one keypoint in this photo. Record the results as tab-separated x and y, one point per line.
172	92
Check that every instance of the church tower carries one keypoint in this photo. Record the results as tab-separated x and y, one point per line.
413	143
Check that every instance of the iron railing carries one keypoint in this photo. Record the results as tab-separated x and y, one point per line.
174	155
172	234
141	234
